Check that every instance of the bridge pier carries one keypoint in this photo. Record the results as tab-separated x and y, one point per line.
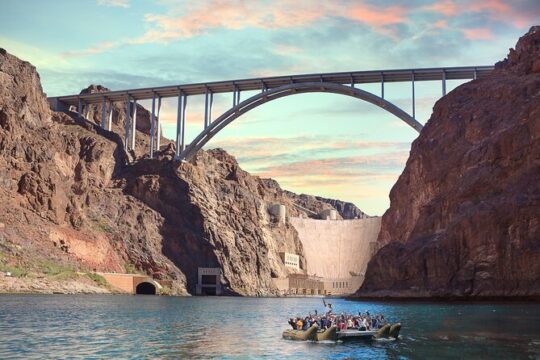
382	86
79	108
208	101
236	96
413	99
152	125
103	112
180	124
443	83
134	124
157	133
109	123
127	124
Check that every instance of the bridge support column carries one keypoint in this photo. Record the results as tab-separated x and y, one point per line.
79	108
382	86
86	110
103	113
109	124
180	125
127	125
444	83
208	100
152	126
158	125
236	96
133	124
413	98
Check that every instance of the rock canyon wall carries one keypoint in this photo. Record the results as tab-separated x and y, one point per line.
464	219
72	195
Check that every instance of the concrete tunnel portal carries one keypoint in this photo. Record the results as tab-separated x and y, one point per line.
145	288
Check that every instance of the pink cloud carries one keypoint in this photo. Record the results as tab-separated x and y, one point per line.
446	8
344	167
441	24
114	3
498	10
478	34
99	48
214	14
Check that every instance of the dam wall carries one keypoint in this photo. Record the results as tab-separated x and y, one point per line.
338	249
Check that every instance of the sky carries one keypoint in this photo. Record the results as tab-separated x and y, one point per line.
320	144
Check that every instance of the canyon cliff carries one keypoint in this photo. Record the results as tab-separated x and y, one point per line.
464	216
73	196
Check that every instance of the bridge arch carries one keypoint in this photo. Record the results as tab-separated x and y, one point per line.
287	90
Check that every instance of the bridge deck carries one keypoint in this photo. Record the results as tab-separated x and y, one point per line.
357	77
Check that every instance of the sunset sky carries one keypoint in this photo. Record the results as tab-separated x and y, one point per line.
320	144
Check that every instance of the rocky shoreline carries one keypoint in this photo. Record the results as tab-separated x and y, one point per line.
44	285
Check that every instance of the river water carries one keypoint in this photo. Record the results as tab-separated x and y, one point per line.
107	326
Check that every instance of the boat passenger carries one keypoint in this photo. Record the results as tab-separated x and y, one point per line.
350	324
299	324
365	323
292	323
305	324
374	323
361	325
382	321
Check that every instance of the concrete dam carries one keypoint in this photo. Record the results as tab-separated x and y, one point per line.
337	253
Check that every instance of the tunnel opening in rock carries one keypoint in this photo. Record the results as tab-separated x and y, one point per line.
145	288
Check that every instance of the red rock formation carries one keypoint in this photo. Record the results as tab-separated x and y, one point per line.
70	195
464	219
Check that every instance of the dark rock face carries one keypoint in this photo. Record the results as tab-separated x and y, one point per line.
311	206
345	209
464	219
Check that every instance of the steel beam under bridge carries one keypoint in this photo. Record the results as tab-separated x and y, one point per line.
263	84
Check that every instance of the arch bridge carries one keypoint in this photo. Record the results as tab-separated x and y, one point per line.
268	89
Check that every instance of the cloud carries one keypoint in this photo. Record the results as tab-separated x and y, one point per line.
39	57
201	17
114	3
342	167
478	34
254	148
494	10
286	49
99	48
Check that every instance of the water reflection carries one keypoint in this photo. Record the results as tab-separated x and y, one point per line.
38	326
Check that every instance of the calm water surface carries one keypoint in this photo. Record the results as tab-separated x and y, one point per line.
95	326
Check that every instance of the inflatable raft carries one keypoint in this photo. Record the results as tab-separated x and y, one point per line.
309	334
328	334
386	332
